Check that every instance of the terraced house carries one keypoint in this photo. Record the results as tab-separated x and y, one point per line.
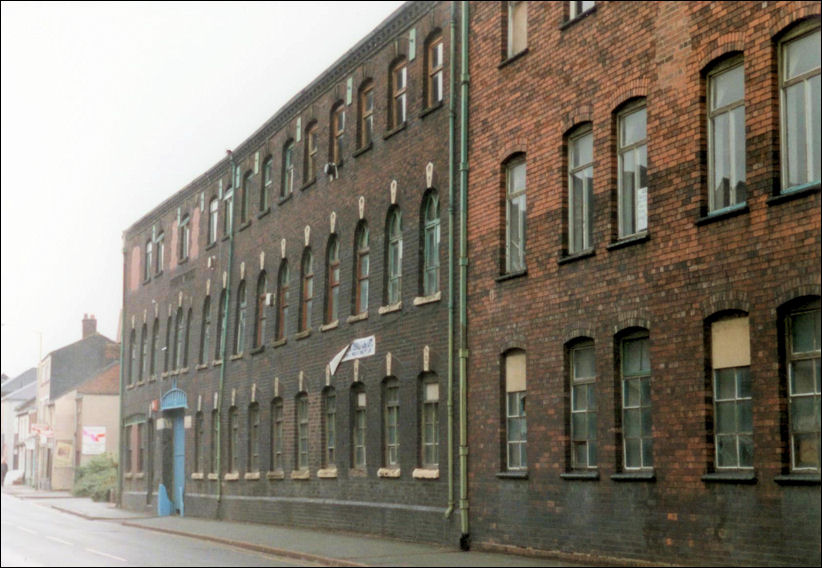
508	275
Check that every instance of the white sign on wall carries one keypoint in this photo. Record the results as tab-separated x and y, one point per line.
94	440
363	347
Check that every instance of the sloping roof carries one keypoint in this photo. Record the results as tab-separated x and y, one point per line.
106	381
10	385
73	364
23	393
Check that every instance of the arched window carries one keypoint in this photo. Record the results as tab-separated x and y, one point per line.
430	245
228	211
632	173
253	454
288	170
132	366
307	290
329	428
635	374
391	422
282	300
144	363
311	155
362	269
234	439
259	321
429	421
358	426
186	341
582	384
435	66
276	435
239	330
179	335
726	135
199	441
205	332
332	302
155	347
168	361
399	86
394	256
160	256
366	113
580	190
301	416
221	326
515	214
214	441
515	424
185	237
267	181
148	261
337	133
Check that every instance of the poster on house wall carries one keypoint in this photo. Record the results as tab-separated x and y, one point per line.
62	454
94	440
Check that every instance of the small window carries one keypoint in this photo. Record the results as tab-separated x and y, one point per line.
148	265
803	338
431	245
253	438
240	322
637	435
399	86
221	326
214	441
282	300
185	237
515	423
583	406
155	347
276	435
228	211
288	170
213	220
430	422
633	171
436	70
311	148
394	250
302	432
332	302
362	269
801	120
205	332
179	334
259	321
330	428
245	198
167	355
576	9
580	192
366	114
144	353
338	134
307	295
199	441
733	403
358	426
133	359
517	27
726	136
161	250
391	423
515	213
268	179
234	440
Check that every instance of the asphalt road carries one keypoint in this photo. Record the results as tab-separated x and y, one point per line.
33	534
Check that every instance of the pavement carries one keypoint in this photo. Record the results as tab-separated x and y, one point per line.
320	547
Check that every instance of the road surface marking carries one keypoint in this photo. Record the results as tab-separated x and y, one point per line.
24	529
106	555
60	540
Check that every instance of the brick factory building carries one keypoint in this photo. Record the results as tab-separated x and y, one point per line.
314	335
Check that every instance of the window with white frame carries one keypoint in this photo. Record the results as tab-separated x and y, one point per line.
394	253
515	423
307	292
362	269
399	84
302	431
436	66
800	104
228	211
276	435
429	422
213	220
253	455
221	325
205	332
234	439
580	191
185	237
179	334
148	265
214	441
391	423
358	426
583	406
330	427
633	171
726	136
517	27
245	198
637	435
199	438
161	249
576	9
803	338
282	300
311	149
431	245
155	347
515	214
288	170
332	301
733	403
240	322
259	320
268	178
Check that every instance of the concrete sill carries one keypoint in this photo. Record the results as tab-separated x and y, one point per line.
327	473
797	193
568	258
139	476
216	362
740	477
422	300
197	476
513	474
388	473
358	317
253	476
279	342
516	57
798	479
357	472
236	357
301	475
272	475
390	308
128	475
392	132
629	240
436	106
201	367
634	476
258	350
231	477
359	152
580	476
213	477
723	214
329	326
303	334
422	473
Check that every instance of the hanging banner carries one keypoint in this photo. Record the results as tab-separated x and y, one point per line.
363	347
94	440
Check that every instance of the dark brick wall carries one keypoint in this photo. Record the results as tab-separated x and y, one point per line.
669	283
403	507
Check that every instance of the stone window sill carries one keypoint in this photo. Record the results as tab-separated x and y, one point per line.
141	382
580	476
424	473
358	317
791	194
630	240
435	107
569	258
201	367
231	477
516	57
301	475
279	342
244	226
723	214
139	475
360	151
164	374
357	472
392	132
309	183
258	350
252	476
303	334
798	479
634	476
235	357
128	475
278	474
130	387
211	245
390	308
197	476
264	212
327	473
213	477
523	474
422	300
329	326
388	472
216	362
152	378
742	477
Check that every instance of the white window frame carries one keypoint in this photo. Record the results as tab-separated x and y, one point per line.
587	230
796	398
515	243
641	406
736	170
588	384
638	151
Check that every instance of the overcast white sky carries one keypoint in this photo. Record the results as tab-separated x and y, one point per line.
107	110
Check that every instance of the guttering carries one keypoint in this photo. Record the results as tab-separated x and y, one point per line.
465	538
224	334
452	115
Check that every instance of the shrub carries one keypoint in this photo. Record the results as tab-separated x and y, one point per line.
96	479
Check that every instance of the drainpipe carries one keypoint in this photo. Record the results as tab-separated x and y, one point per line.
122	384
452	115
224	338
465	538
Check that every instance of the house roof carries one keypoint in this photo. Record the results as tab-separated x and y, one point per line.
75	363
10	384
23	393
106	381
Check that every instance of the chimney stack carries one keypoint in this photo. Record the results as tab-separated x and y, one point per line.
89	325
